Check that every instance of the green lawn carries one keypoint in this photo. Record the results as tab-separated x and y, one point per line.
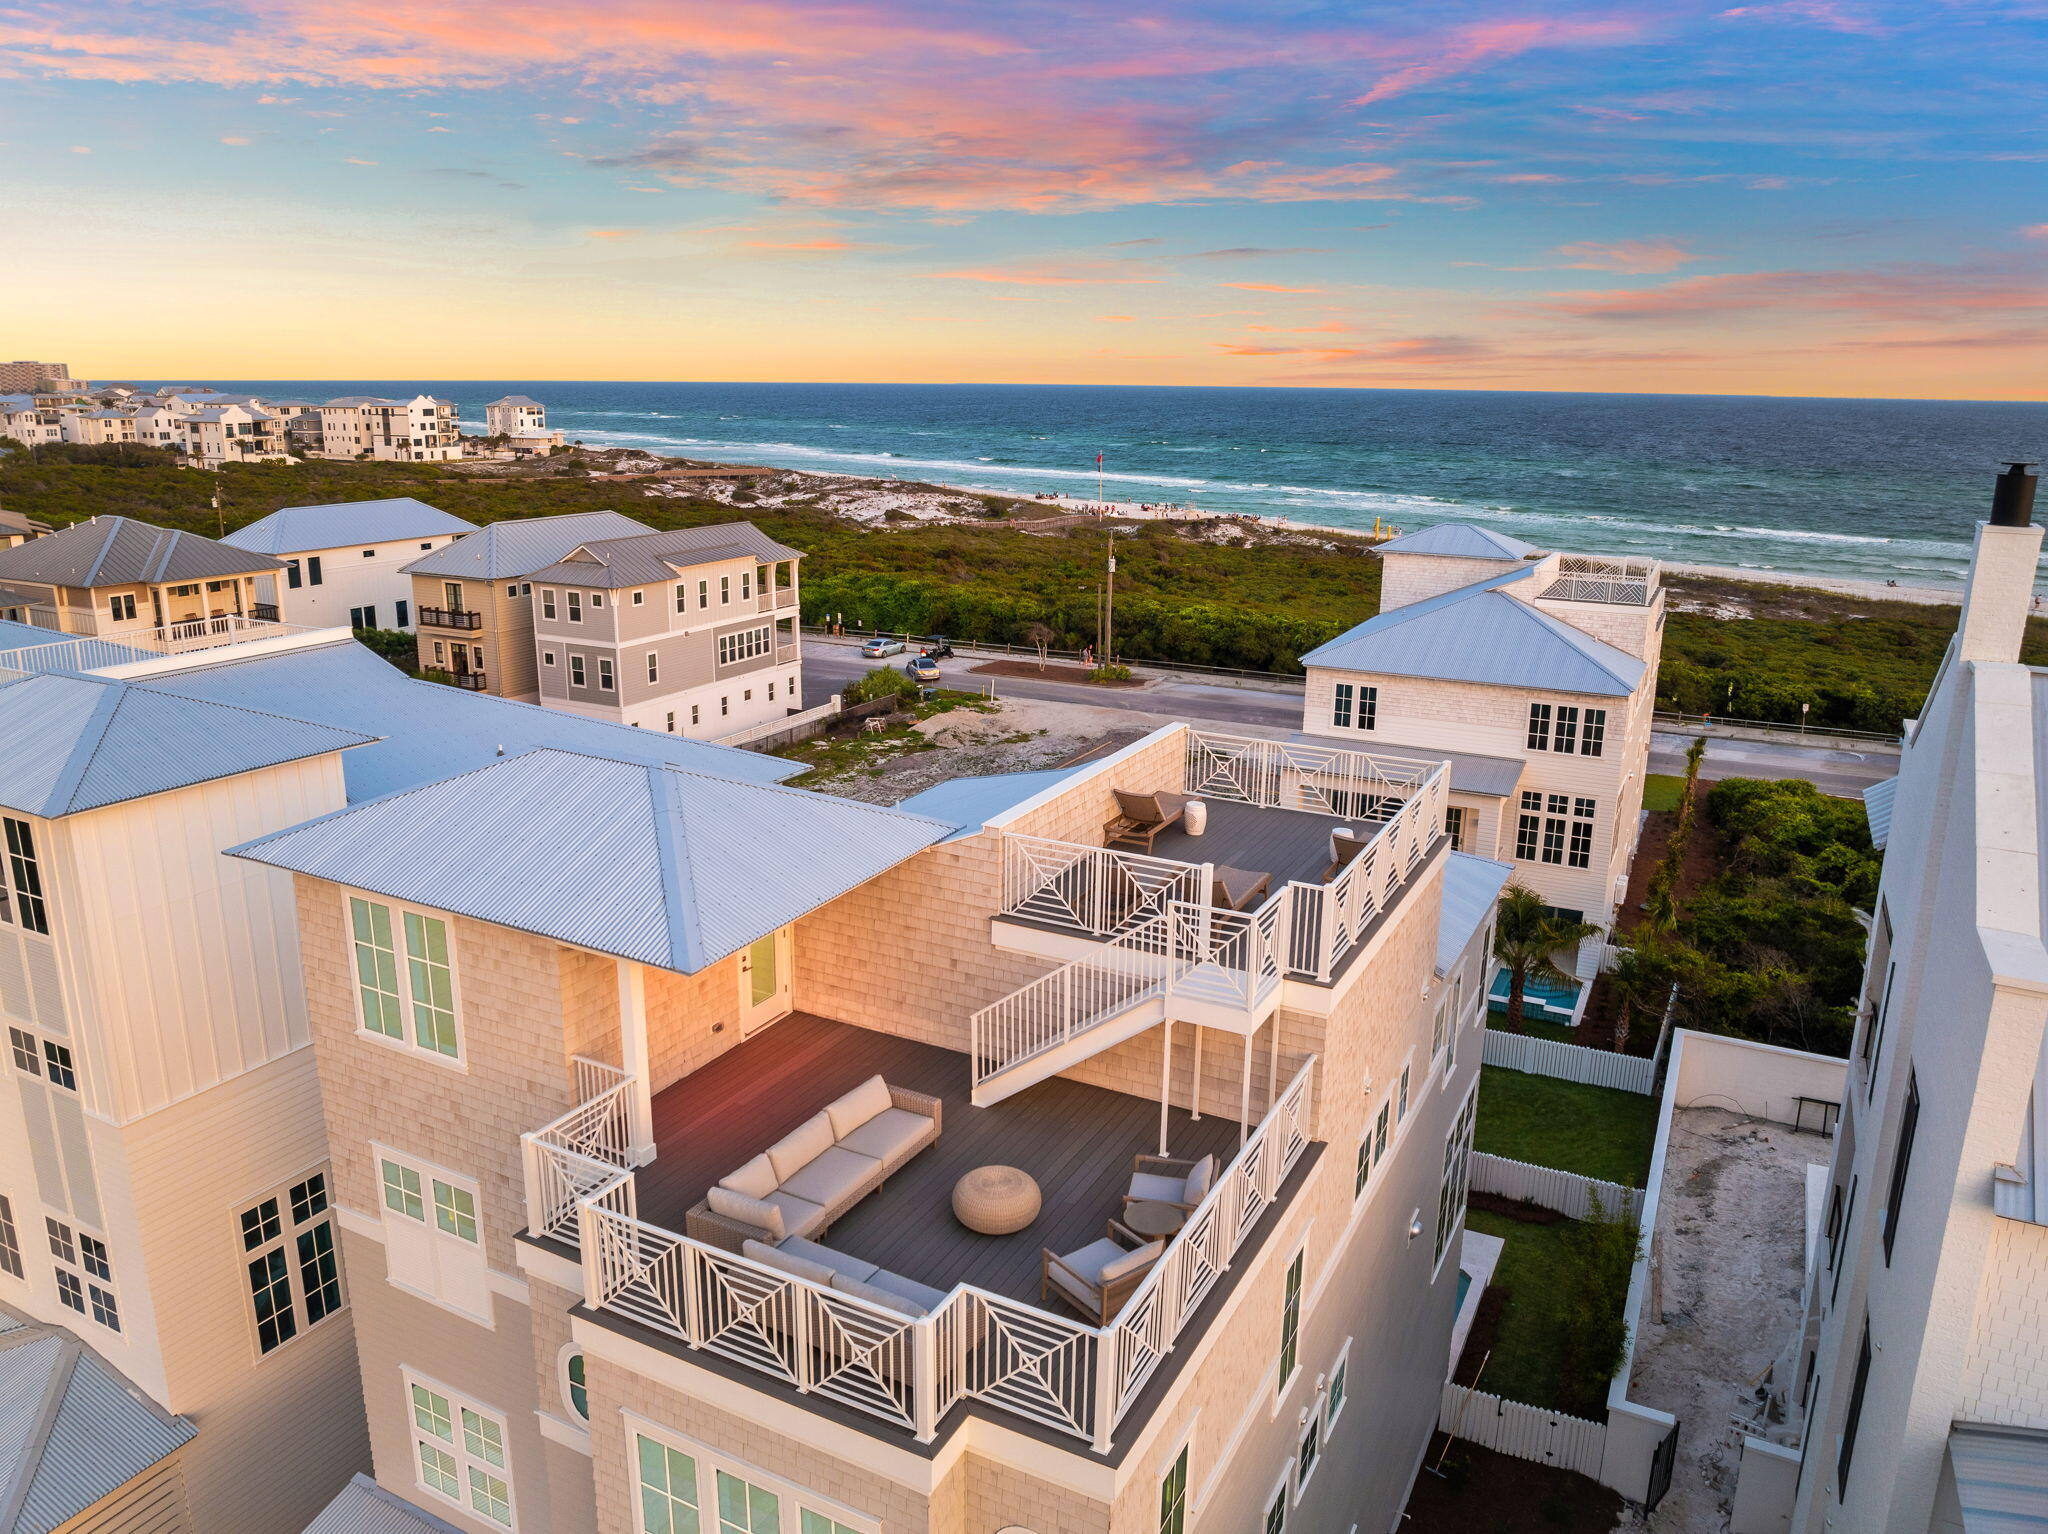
1661	791
1527	1363
1594	1131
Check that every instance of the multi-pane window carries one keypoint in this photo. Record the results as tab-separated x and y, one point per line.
1173	1495
428	988
703	594
1276	1511
57	1060
293	1270
22	1045
10	1241
85	1273
668	1488
1450	1199
1857	1385
1290	1319
575	606
1401	1108
604	674
1455	822
576	673
1340	1385
1555	828
460	1451
547	603
1902	1162
724	590
433	1239
744	1507
1309	1451
1567	729
653	667
1355	704
682	598
24	874
744	645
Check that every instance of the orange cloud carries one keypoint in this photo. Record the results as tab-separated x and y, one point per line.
1630	256
1044	277
1898	294
610	234
1268	287
820	246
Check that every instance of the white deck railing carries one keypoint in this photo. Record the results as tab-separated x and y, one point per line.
1298	775
1096	890
910	1371
1593	578
579	1153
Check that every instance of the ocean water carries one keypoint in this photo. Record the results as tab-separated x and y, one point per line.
1872	489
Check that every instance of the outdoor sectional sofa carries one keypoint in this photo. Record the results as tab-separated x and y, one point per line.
819	1170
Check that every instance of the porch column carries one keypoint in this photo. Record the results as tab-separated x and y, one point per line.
1195	1084
633	1058
1165	1078
1244	1101
1273	1064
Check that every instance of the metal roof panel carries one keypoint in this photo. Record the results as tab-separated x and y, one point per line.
345	524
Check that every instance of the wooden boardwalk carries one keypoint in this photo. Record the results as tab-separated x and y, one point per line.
1077	1141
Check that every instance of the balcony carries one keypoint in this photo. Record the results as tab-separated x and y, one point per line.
1591	578
449	618
263	612
992	1344
468	681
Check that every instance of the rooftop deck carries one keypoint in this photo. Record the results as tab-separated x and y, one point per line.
1287	844
1077	1141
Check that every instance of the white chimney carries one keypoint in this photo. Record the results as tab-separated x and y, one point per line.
2002	569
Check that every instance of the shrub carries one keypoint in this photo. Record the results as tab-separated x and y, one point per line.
1110	672
882	682
1589	1308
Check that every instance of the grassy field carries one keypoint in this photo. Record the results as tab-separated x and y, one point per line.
1594	1131
1527	1363
1661	791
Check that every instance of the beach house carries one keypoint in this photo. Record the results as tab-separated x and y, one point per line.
1533	675
147	586
693	632
346	562
472	604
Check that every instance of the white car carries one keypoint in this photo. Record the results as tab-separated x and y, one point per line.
880	647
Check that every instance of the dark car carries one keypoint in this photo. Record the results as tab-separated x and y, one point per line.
937	647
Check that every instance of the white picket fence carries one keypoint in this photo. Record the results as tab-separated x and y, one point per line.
1570	1062
1568	1193
791	724
1525	1432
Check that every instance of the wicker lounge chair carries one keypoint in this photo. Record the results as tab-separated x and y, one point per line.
1347	849
1235	889
1141	817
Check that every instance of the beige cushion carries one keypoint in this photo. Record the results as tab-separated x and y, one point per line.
788	1262
800	1147
756	1212
921	1294
830	1258
1199	1180
1158	1188
902	1304
1131	1262
800	1217
756	1179
832	1176
858	1106
889	1135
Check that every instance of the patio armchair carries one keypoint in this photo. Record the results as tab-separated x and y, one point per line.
1344	851
1141	817
1236	889
1101	1276
1167	1180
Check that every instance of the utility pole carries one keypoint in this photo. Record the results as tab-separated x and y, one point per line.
1109	602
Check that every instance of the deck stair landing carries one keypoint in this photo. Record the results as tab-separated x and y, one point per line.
1191	963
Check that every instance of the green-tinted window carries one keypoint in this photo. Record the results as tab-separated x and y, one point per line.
818	1523
668	1489
432	985
455	1210
437	1469
579	1386
376	968
1173	1496
1290	1321
431	1412
402	1191
483	1438
744	1508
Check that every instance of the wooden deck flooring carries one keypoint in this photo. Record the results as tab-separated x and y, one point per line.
1287	844
1076	1140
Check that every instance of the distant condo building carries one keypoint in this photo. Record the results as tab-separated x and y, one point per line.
30	376
418	430
1534	675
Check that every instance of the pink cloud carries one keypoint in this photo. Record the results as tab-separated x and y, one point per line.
610	234
819	246
2035	232
1631	256
1045	276
1897	294
1268	287
1820	13
1480	43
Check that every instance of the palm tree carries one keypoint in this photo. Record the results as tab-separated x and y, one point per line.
1525	936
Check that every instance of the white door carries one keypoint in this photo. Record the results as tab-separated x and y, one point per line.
764	981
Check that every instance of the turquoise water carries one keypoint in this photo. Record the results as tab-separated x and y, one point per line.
1552	1000
1464	1283
1875	489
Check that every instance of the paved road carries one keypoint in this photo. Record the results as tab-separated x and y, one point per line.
828	666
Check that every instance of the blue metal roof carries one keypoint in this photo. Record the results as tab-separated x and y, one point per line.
500	550
70	743
970	803
647	863
364	1507
1472	888
2001	1476
1459	540
72	1429
61	652
427	731
1479	633
344	524
1877	810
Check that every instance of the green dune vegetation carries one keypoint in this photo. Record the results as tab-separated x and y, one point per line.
1220	594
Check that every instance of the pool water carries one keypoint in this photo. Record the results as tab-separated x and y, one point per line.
1464	1283
1552	1000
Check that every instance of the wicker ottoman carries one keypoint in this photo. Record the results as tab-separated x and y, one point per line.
995	1200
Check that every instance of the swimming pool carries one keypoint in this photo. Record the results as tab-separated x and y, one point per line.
1554	1001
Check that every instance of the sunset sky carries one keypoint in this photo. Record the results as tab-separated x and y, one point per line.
1787	197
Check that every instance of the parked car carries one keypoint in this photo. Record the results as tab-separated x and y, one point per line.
921	668
938	647
881	645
